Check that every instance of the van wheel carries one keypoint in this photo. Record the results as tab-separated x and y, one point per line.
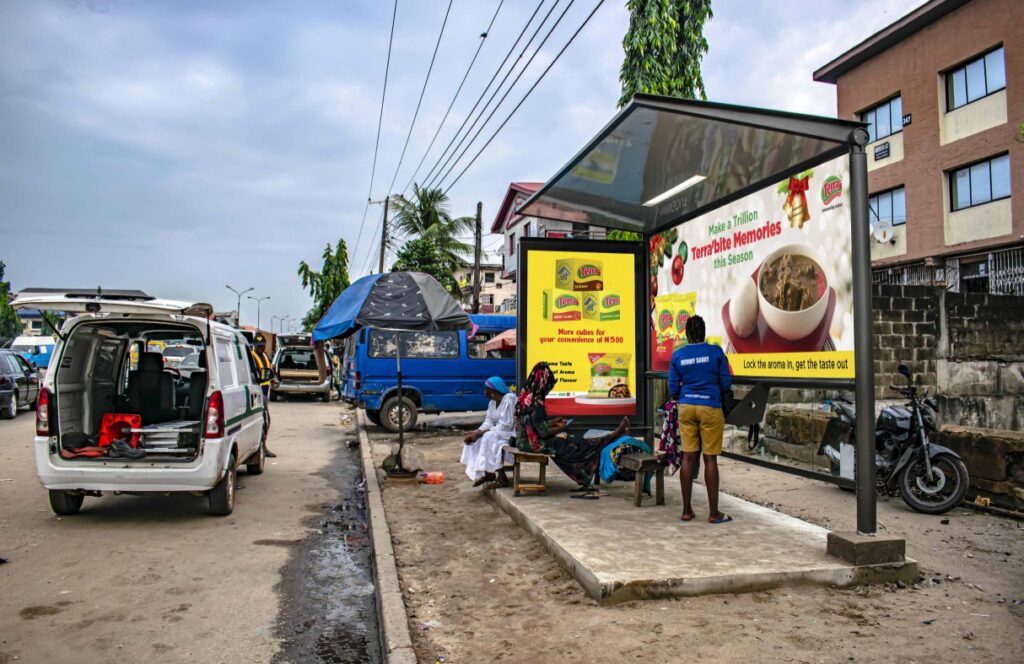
326	396
11	411
258	461
222	496
389	414
373	416
65	504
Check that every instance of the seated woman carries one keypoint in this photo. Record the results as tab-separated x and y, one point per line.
482	451
575	456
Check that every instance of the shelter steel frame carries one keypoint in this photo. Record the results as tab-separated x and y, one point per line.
843	138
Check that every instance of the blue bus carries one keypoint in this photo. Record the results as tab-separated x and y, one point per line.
441	371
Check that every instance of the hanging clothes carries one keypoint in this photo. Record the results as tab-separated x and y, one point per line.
670	444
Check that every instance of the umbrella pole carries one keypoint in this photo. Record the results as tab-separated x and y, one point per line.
401	420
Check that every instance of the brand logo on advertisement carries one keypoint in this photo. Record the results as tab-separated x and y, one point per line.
681	320
601	368
611	301
831	189
566	301
664	319
590	304
563	273
589	271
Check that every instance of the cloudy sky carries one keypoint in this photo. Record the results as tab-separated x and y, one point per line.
178	146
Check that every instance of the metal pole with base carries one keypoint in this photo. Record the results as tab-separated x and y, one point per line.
864	360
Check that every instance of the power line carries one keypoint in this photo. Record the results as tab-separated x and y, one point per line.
537	82
380	118
370	255
422	92
437	180
494	110
486	88
483	38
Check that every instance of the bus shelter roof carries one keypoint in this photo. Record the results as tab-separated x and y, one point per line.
663	160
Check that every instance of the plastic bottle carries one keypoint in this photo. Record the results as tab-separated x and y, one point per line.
432	478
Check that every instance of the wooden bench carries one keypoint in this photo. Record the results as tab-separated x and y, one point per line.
642	464
516	457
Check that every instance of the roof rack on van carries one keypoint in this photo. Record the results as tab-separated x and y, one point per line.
98	292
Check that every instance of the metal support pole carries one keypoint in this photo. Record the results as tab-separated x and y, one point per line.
384	235
476	259
864	356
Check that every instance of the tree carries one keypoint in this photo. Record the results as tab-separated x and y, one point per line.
326	285
664	46
421	255
426	217
10	325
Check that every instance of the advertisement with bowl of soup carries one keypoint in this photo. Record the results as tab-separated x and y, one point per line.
769	273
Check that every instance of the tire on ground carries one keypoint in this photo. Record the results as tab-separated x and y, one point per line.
222	496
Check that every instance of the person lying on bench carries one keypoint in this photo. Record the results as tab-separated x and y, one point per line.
574	455
482	451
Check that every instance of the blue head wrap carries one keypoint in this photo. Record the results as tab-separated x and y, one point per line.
496	384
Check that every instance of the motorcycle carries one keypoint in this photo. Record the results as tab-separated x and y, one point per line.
930	478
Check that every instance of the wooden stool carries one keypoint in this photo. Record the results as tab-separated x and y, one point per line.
517	457
643	464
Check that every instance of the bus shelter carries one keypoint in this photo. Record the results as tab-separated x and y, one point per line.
756	220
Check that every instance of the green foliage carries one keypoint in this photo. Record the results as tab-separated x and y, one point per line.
51	323
664	46
628	236
422	255
10	326
426	217
326	285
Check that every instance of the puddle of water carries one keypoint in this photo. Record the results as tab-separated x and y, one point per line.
329	614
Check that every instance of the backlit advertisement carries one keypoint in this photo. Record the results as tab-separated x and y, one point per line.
771	276
580	315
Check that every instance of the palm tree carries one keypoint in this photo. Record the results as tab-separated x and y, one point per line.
426	216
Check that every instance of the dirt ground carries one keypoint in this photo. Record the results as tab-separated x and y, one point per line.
157	579
499	596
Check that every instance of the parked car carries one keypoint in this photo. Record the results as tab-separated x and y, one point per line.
107	423
441	371
173	355
36	350
301	368
19	384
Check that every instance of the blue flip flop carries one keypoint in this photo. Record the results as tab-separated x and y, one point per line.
725	518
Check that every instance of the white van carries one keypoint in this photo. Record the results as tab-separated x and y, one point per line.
112	417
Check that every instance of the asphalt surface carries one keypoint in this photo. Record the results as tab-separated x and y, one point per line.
285	578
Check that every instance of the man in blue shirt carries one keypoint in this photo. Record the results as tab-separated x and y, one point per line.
698	375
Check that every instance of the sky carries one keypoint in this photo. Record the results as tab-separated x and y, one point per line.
181	146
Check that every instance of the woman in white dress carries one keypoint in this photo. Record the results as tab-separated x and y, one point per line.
482	451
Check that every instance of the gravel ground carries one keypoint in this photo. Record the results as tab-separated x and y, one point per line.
495	594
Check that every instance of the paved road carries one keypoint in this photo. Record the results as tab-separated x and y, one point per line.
156	579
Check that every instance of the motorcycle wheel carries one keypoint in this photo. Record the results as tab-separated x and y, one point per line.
944	491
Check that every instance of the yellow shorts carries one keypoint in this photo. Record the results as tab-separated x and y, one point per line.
701	428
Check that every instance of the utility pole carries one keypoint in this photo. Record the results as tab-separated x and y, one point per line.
384	231
238	305
476	259
259	301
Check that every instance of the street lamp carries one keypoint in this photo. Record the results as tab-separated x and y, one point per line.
272	319
238	305
259	300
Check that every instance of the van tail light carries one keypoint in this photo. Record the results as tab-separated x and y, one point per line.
359	379
43	413
214	416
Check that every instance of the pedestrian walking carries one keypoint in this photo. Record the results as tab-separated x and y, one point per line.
698	376
266	376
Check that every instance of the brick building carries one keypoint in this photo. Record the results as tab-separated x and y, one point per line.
942	89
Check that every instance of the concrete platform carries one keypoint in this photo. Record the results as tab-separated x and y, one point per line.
620	553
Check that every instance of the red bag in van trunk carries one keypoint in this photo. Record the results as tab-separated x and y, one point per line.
117	425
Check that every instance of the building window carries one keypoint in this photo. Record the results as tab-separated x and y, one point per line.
511	245
486	298
526	229
889	206
884	120
37	325
980	183
488	277
976	79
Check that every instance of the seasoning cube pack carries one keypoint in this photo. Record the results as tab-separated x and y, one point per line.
575	274
601	306
559	305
